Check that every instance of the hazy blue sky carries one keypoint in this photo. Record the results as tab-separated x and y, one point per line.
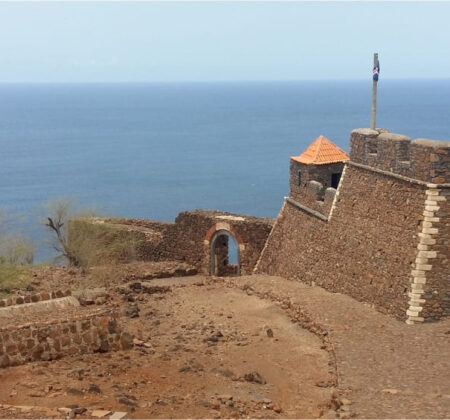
157	41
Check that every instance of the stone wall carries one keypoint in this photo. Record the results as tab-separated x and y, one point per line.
195	229
124	240
384	239
365	250
56	338
33	298
310	185
430	277
422	159
320	173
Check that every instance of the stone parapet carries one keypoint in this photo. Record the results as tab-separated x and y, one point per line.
422	159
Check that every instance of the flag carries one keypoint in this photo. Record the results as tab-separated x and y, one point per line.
376	71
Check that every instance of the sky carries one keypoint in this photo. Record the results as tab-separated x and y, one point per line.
221	41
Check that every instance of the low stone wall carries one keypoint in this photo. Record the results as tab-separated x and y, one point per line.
47	340
37	309
36	297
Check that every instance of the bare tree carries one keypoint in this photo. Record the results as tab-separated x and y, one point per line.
60	210
58	214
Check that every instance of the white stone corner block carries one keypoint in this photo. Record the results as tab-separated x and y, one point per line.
412	313
431	219
424	267
427	254
415	308
431	231
427	241
418	273
431	208
432	192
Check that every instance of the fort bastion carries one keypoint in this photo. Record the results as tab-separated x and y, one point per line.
374	225
382	235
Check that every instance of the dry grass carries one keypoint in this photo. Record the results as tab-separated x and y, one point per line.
12	278
96	244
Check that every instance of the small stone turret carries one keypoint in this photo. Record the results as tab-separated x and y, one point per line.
315	174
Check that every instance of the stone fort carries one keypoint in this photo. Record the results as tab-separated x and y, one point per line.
374	225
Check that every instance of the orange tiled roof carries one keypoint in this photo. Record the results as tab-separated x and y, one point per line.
321	151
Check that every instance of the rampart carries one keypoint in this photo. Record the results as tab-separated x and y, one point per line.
383	237
192	238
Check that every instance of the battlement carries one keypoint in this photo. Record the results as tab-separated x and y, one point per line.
422	159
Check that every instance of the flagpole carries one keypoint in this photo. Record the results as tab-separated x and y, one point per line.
374	94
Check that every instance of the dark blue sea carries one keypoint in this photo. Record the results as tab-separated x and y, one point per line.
153	150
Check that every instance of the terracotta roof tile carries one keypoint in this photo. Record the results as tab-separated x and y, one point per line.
321	151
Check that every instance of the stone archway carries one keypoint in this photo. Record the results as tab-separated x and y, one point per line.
216	244
219	255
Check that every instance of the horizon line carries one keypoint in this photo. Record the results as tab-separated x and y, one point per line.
369	79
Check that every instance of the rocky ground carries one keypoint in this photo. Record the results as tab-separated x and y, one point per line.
238	347
202	350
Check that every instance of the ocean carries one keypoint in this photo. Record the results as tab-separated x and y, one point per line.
153	150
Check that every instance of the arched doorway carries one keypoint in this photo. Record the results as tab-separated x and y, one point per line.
224	258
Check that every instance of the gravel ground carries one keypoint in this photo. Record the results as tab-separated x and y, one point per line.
202	350
241	347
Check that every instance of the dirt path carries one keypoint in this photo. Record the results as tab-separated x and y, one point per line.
213	352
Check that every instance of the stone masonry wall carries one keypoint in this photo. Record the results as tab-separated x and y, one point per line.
318	173
430	277
422	159
366	249
124	240
196	227
36	297
53	339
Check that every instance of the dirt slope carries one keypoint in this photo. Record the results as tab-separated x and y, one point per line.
202	351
